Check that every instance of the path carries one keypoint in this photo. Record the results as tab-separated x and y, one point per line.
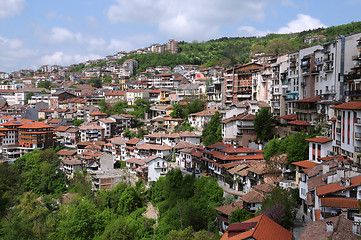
299	226
151	213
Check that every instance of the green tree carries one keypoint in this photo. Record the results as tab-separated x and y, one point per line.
177	111
107	79
212	131
44	84
195	106
129	201
281	206
263	124
278	45
120	107
240	215
77	122
28	97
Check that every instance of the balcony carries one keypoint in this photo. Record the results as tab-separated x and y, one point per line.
327	59
352	76
328	68
358	121
338	142
357	149
353	93
358	136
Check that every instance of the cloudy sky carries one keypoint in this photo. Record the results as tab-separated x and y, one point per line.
63	32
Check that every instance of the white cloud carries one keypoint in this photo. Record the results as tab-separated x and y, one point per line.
187	19
249	31
10	8
62	58
12	44
301	23
59	35
119	45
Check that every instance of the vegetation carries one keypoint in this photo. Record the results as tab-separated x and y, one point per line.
182	111
212	131
240	215
295	146
263	124
45	84
77	122
281	206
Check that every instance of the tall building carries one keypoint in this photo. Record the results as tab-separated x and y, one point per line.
172	46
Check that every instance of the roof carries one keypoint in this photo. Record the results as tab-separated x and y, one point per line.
342	229
309	100
289	117
207	112
265	229
147	146
97	113
335	187
265	187
65	152
184	144
300	123
107	120
62	128
243	116
115	93
35	125
133	141
340	203
305	164
348	105
252	197
319	139
228	209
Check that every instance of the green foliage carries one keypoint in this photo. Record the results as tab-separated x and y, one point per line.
177	111
278	45
263	124
28	97
129	201
212	132
39	172
107	79
281	206
129	134
141	107
195	106
44	84
240	215
77	68
95	82
77	122
185	126
295	146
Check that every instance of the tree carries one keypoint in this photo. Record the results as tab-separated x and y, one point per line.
28	97
119	107
107	79
195	106
129	201
281	206
44	84
77	122
278	45
212	131
240	215
177	111
95	82
263	124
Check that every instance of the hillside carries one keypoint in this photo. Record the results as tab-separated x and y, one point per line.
229	51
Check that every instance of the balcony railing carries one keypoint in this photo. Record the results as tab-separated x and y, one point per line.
353	93
338	142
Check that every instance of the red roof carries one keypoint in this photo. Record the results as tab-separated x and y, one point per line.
300	123
319	139
348	105
309	100
97	113
340	203
305	164
335	187
332	119
289	117
265	229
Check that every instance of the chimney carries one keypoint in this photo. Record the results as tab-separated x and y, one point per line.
348	182
329	226
344	212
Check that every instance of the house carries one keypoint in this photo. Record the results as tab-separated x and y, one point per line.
331	228
64	153
225	213
90	132
198	120
147	150
252	201
72	135
239	129
70	164
96	114
60	132
260	228
157	167
109	125
122	122
319	147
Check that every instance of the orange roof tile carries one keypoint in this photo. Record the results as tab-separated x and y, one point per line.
305	164
335	187
228	209
97	113
348	105
319	139
340	203
300	123
310	99
289	117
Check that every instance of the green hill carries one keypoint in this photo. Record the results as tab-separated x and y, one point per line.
229	51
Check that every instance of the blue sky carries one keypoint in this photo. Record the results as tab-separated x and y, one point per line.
63	32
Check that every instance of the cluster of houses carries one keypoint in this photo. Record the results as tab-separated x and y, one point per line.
310	87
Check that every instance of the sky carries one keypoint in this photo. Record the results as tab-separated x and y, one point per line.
63	32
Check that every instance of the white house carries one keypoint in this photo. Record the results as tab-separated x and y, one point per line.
319	147
157	167
198	120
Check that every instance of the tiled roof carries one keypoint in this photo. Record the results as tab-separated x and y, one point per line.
319	139
305	164
339	203
342	229
115	93
133	141
252	197
243	116
207	112
147	146
184	144
300	123
240	150
289	117
62	128
265	229
228	209
335	187
348	105
35	125
97	113
66	152
309	100
265	187
107	120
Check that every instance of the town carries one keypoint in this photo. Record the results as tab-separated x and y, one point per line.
288	121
